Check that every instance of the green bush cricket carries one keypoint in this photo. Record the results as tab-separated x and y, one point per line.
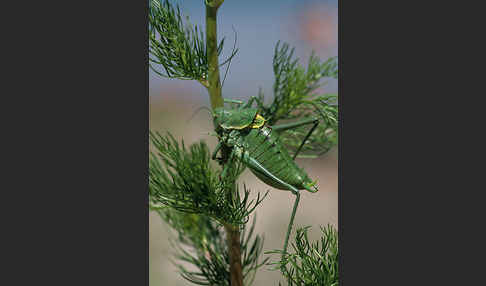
257	146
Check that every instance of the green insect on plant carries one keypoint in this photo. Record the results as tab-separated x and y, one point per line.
206	205
257	145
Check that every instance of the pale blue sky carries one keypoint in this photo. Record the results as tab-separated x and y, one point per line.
259	25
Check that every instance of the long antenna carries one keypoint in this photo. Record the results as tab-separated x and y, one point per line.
199	109
232	55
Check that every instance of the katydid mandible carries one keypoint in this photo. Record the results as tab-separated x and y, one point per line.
256	144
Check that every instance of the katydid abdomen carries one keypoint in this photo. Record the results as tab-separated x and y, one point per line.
263	145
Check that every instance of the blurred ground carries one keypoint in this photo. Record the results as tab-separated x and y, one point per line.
307	25
272	215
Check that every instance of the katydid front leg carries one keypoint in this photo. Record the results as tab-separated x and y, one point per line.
249	103
215	153
240	103
228	163
229	100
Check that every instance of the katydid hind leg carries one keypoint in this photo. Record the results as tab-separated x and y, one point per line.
316	122
257	166
254	164
291	224
287	126
283	127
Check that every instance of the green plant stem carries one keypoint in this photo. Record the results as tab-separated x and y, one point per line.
214	83
214	90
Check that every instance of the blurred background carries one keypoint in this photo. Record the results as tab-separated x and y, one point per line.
306	25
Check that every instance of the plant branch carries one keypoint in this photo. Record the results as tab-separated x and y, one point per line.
214	3
215	95
234	250
214	89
